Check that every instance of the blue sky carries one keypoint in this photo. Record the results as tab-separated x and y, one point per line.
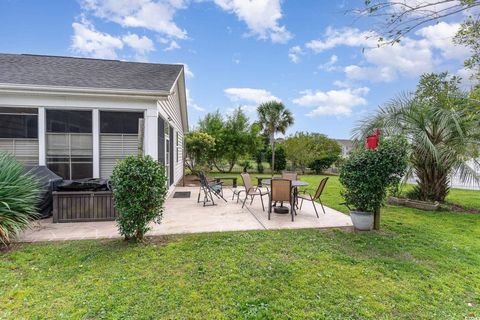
308	54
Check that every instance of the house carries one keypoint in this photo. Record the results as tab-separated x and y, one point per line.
79	116
346	145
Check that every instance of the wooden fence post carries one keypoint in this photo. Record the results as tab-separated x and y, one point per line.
376	219
141	135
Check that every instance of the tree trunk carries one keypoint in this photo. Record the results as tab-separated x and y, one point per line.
218	168
432	181
272	139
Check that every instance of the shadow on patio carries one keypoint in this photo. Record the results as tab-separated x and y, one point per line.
185	215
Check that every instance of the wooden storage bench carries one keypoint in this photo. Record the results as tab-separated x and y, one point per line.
82	206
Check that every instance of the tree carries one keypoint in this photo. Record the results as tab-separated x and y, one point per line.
240	137
399	18
274	118
442	131
297	148
199	146
280	157
234	137
312	150
469	36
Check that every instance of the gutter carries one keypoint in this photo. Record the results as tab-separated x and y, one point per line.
61	90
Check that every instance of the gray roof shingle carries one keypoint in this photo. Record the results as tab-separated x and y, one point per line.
86	73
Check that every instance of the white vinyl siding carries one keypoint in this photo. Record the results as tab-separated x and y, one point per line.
114	147
170	109
24	150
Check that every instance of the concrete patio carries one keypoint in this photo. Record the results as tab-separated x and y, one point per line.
185	215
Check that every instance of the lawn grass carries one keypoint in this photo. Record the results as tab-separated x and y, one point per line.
421	265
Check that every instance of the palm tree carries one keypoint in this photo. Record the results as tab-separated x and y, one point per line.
443	138
273	118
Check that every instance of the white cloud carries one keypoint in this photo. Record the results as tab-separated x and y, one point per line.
330	65
188	71
192	103
429	6
149	14
87	41
351	37
141	45
409	58
333	102
261	17
440	36
374	74
294	54
256	96
172	46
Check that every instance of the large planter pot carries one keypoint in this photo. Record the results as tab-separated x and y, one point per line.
362	220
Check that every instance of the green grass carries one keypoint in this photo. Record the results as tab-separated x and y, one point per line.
421	265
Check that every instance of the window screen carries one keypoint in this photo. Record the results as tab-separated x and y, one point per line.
69	143
118	138
19	133
18	123
119	122
69	121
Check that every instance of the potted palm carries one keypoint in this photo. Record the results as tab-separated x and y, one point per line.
366	177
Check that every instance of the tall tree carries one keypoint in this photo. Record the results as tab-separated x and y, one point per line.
311	149
274	118
442	131
234	137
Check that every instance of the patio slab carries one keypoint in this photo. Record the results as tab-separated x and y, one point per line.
185	215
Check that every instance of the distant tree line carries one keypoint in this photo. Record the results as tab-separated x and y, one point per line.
221	142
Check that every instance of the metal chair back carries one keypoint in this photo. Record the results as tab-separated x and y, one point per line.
281	190
247	181
203	179
320	188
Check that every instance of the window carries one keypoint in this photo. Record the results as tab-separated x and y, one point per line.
19	133
118	138
69	143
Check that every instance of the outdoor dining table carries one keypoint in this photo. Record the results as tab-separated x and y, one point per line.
295	185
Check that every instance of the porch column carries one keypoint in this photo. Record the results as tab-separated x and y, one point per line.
42	145
151	132
96	142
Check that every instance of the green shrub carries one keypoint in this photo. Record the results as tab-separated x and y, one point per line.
322	164
367	174
260	168
245	165
139	191
19	192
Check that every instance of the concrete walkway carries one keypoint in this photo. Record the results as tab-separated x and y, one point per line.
187	216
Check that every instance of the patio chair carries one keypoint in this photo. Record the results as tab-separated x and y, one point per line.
209	189
304	195
237	192
251	190
289	175
281	191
